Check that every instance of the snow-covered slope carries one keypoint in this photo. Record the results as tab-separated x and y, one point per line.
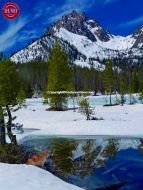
138	36
36	50
98	48
25	177
118	120
85	40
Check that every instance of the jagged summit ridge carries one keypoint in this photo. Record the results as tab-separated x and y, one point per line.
78	23
84	39
138	35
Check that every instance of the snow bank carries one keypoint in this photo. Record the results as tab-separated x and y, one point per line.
24	177
118	120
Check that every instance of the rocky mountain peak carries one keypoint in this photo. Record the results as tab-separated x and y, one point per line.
79	23
80	16
138	32
74	22
138	36
84	40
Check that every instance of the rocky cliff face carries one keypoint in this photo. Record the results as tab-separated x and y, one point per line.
73	22
78	23
84	40
138	36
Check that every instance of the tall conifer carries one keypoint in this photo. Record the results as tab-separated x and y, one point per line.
109	78
59	76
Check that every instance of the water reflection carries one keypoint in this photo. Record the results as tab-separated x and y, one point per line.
83	165
111	148
94	163
140	146
62	155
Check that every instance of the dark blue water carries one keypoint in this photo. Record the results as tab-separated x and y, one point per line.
95	163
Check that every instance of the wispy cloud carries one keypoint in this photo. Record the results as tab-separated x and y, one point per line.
44	12
42	9
136	21
68	6
55	12
9	36
110	1
14	32
24	35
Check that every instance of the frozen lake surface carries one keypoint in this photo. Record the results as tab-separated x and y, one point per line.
93	162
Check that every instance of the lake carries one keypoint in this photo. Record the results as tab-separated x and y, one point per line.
93	162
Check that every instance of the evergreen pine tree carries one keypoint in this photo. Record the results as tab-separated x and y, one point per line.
109	78
131	87
2	128
59	76
135	81
9	90
123	87
141	91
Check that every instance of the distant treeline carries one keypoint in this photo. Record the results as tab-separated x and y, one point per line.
130	76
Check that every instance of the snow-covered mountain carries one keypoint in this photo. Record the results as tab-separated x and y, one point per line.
138	36
84	40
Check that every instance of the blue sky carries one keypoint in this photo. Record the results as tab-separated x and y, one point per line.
120	17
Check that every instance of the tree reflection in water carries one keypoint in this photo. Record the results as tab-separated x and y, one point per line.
92	156
84	162
111	149
62	155
140	146
84	165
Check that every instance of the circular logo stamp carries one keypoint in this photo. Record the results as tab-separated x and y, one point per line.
10	10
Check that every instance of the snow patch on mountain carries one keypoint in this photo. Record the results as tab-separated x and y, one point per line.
99	48
118	43
86	39
82	43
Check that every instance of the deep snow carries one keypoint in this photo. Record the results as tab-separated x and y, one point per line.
26	177
118	120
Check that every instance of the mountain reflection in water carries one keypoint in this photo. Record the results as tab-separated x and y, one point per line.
93	164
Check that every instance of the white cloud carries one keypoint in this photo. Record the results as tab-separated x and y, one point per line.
109	1
9	36
49	13
42	9
69	5
27	35
136	21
